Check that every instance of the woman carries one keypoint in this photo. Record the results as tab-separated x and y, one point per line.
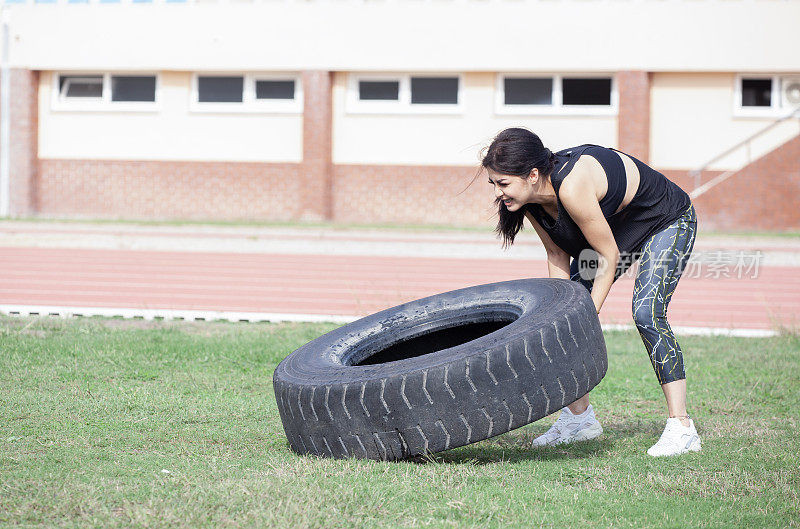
600	206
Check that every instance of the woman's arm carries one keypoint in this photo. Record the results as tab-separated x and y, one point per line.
579	197
557	259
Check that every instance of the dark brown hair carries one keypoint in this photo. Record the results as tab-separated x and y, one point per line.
516	152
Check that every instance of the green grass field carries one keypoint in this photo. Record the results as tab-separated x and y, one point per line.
112	423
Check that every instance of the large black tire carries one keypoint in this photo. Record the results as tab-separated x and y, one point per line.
443	371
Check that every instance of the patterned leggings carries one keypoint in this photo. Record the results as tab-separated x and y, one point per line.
661	263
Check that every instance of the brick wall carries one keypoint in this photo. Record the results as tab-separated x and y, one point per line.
316	168
209	190
164	190
368	194
633	121
23	149
382	194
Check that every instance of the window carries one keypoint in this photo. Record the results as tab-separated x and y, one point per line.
555	94
105	92
81	87
220	89
247	93
379	90
403	93
765	95
756	92
274	89
133	88
530	91
586	91
434	90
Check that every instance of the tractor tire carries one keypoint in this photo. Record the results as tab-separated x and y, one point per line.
443	371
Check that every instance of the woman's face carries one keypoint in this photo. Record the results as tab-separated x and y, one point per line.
514	191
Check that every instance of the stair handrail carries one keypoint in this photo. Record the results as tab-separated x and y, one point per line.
696	172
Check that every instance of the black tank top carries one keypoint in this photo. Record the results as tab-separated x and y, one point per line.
656	204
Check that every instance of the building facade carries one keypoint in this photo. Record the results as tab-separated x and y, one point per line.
376	111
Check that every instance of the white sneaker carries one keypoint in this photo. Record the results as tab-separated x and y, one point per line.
570	428
677	439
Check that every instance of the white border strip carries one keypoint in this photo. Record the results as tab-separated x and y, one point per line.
167	314
701	331
212	315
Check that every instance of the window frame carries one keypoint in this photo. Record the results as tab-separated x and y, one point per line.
402	105
775	109
249	103
556	108
104	103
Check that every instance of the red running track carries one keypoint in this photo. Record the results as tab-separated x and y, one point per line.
348	285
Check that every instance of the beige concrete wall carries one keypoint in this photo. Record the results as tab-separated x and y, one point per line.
693	119
416	138
172	131
406	35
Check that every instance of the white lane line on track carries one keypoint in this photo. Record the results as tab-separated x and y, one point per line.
169	314
430	249
208	315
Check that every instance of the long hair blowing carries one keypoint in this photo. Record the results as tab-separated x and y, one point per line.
515	151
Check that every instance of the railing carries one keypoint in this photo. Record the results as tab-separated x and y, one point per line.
700	189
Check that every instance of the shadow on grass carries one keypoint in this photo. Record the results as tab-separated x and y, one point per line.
486	454
633	427
514	447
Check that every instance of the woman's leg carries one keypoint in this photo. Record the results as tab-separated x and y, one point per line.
675	393
580	405
576	421
663	260
664	256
